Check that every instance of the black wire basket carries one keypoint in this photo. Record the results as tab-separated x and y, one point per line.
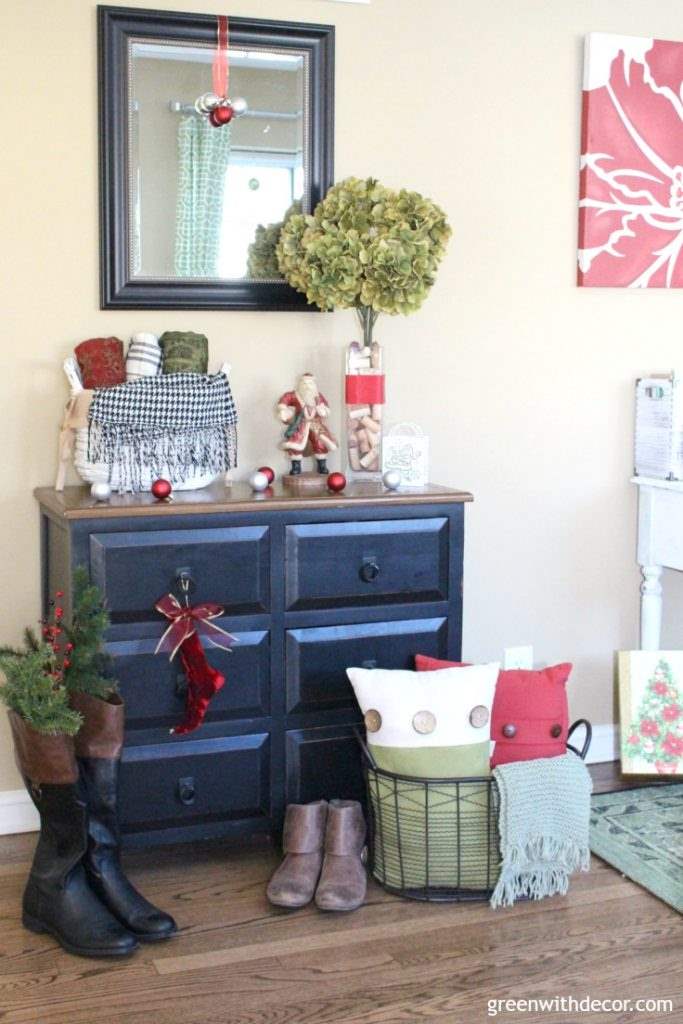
436	839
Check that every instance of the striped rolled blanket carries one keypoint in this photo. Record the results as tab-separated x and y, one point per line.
170	424
144	356
543	822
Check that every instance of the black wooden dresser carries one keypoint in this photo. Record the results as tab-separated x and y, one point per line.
309	586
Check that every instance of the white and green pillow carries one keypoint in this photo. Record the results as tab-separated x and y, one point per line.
428	724
431	725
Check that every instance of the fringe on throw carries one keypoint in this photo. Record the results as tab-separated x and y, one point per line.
178	453
539	868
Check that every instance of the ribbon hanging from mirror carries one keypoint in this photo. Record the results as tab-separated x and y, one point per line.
220	68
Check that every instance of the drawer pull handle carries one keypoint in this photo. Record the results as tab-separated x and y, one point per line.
369	571
186	790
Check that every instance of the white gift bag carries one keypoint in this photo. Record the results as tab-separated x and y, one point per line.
406	449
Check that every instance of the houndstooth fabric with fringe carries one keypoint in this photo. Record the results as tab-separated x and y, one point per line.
171	424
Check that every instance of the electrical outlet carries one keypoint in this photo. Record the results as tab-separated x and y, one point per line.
518	657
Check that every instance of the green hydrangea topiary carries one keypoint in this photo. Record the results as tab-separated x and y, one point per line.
365	246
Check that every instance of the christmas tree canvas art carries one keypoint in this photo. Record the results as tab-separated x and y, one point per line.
651	712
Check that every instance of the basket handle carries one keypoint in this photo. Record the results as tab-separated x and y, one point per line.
364	747
587	739
73	375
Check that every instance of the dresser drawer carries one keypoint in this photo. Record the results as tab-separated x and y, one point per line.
324	764
228	566
173	784
317	659
154	688
332	565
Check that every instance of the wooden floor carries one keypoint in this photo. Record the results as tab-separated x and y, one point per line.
239	961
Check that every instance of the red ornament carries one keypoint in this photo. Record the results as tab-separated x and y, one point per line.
336	482
221	115
267	471
161	489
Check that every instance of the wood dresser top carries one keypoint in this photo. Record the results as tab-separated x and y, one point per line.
77	502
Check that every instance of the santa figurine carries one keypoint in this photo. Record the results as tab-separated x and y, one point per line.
304	411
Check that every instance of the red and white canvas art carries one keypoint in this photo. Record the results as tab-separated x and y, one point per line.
631	189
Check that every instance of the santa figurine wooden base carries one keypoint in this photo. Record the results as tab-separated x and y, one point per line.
304	412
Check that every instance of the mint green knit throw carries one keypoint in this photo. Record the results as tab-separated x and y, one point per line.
543	823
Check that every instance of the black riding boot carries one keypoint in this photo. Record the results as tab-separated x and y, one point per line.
98	751
57	898
322	466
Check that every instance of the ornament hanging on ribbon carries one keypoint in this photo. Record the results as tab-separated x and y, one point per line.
217	105
188	623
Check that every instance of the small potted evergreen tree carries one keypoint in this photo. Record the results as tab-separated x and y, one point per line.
67	724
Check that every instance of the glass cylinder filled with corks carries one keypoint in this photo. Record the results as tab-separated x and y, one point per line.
365	397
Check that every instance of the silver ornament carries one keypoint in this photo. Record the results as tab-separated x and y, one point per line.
101	491
392	479
206	103
259	481
239	106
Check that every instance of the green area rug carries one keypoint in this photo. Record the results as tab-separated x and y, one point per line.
640	832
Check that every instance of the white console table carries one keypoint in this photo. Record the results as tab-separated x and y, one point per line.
660	546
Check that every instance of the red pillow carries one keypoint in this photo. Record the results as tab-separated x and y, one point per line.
533	703
423	663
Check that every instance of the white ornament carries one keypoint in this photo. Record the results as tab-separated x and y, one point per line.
259	481
101	491
392	479
239	106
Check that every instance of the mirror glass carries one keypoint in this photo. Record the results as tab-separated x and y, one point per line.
204	202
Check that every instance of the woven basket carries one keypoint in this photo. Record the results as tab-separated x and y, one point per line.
99	472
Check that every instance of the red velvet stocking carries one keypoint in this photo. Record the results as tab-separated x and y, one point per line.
203	682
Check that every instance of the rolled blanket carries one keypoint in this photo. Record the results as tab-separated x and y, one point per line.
100	361
184	352
144	356
174	424
543	823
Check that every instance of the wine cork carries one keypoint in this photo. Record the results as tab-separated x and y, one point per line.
371	424
376	412
363	442
354	459
358	411
370	460
375	356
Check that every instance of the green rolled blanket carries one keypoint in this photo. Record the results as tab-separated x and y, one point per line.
184	352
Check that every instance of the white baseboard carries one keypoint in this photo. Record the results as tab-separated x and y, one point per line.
604	745
17	813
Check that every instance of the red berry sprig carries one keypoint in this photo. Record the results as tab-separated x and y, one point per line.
51	632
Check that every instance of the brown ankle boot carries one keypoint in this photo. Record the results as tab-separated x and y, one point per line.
294	882
343	881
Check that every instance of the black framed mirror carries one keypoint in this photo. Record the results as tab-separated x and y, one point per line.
189	212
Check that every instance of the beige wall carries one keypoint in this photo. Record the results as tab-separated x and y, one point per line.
523	381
